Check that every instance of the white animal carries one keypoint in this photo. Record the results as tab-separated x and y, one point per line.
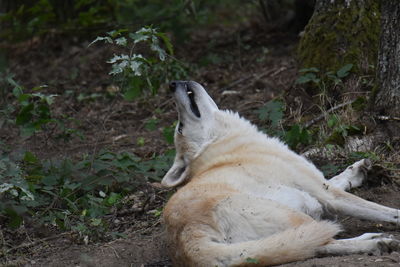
247	199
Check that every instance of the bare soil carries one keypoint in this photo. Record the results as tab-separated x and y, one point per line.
246	76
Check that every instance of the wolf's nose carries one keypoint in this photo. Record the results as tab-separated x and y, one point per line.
172	86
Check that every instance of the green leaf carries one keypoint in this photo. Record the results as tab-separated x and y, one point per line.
140	141
272	111
29	157
28	130
308	77
161	52
25	114
121	41
107	156
23	99
48	99
50	180
99	165
344	71
332	121
313	69
141	35
17	91
134	88
113	198
99	38
15	219
96	222
135	65
115	33
167	42
297	135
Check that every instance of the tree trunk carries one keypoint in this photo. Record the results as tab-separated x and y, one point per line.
387	100
341	32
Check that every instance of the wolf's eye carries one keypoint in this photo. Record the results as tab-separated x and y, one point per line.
189	92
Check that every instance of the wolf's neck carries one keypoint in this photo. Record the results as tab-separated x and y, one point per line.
232	136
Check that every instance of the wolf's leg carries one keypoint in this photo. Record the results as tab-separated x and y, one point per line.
349	204
353	176
375	243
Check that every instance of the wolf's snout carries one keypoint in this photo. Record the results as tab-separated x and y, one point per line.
172	86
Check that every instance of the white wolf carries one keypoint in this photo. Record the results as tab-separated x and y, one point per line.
247	199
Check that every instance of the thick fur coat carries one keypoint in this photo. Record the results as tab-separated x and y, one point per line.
246	199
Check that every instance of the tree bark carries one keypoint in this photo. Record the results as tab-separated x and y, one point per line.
341	32
387	100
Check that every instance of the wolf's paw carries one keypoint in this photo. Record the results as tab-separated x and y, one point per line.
387	244
358	172
361	166
378	243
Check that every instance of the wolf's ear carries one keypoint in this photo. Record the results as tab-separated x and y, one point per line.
177	174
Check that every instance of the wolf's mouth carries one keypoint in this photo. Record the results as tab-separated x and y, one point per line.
180	127
193	105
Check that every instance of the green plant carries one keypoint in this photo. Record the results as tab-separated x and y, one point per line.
31	112
333	80
321	80
34	110
339	130
136	70
73	195
336	129
15	193
272	113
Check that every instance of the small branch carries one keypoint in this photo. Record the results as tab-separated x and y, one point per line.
237	82
322	116
264	10
253	76
34	243
387	118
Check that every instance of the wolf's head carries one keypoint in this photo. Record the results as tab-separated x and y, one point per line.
195	128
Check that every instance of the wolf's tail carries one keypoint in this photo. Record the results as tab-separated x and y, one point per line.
290	245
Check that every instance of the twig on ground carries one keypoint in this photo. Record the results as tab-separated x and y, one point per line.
387	118
252	76
324	114
34	243
237	82
114	250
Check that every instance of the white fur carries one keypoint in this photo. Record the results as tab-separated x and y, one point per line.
246	195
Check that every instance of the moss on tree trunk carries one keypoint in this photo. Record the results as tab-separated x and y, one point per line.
342	32
387	101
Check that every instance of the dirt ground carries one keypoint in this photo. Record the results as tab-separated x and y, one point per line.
245	78
147	247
